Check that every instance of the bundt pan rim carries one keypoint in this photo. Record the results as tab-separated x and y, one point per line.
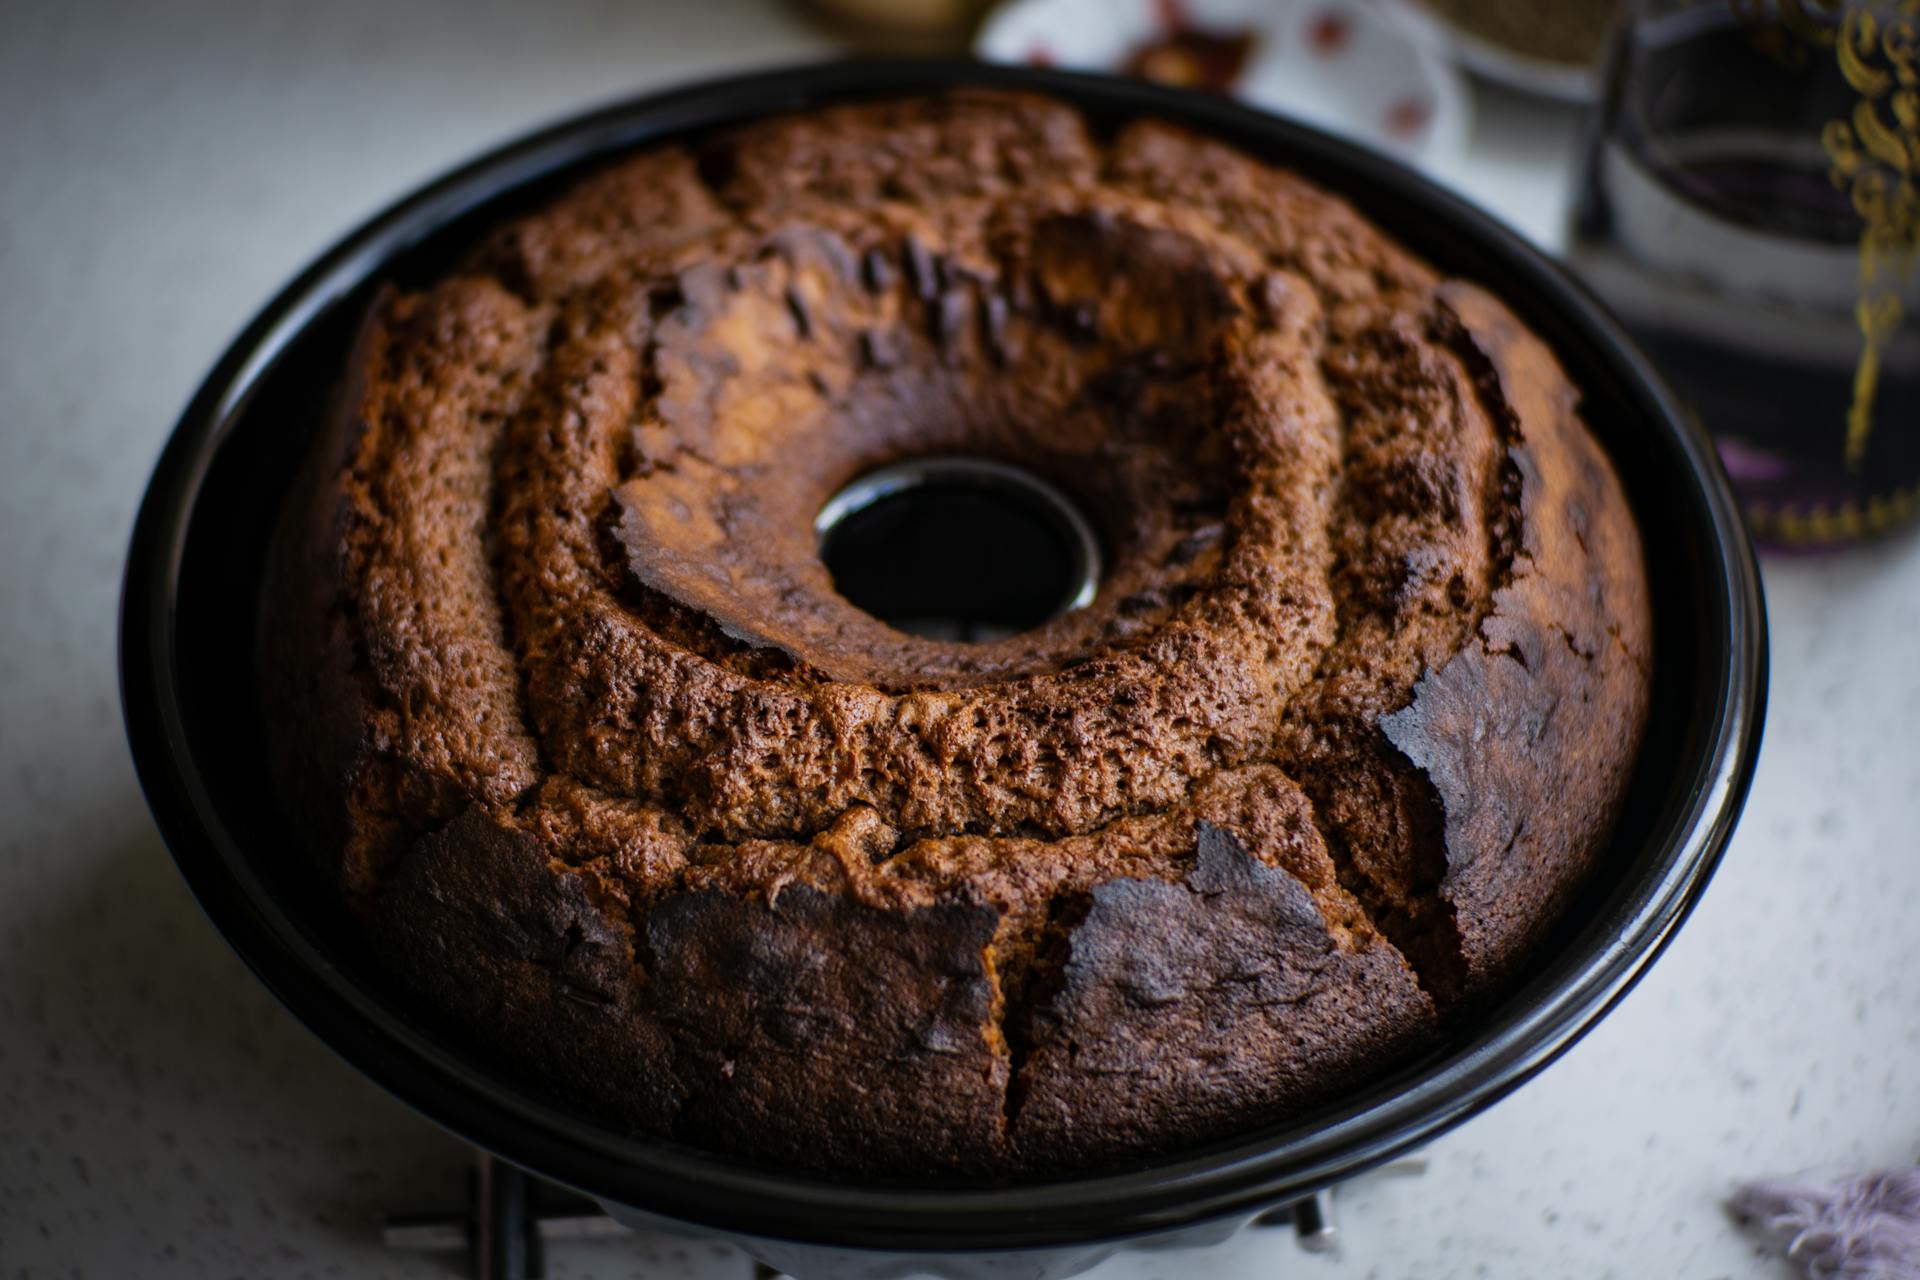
1686	795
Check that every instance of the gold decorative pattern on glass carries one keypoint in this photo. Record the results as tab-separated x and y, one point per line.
1874	153
1874	156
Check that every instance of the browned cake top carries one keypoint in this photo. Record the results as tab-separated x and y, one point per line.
565	575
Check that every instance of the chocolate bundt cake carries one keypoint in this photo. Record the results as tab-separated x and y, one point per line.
624	795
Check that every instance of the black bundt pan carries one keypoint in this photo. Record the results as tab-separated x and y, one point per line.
187	619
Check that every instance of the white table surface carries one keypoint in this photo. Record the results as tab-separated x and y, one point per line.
164	167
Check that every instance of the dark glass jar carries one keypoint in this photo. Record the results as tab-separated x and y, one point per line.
1749	208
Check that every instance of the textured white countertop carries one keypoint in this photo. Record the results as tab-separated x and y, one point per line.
163	168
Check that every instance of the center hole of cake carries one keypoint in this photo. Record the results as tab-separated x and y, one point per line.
958	548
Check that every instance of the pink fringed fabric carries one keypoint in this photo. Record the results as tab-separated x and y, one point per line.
1865	1228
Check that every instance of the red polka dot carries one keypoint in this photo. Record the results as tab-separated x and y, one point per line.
1329	33
1408	116
1039	56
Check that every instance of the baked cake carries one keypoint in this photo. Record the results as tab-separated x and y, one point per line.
624	796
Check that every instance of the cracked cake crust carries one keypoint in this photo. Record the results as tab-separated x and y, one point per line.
615	784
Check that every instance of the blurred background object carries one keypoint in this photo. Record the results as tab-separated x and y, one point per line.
1349	68
1548	49
1748	207
900	26
1567	33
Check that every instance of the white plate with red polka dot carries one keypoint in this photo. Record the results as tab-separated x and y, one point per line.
1344	65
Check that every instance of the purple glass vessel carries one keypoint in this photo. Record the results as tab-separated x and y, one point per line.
1749	208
